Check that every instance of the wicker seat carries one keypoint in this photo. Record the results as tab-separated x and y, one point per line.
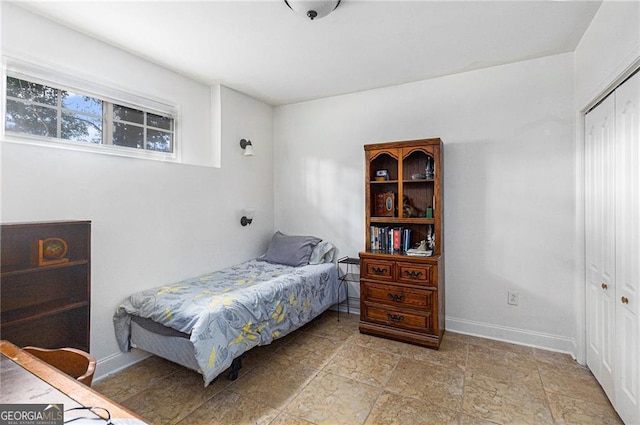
75	363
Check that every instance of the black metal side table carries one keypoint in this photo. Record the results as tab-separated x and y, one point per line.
347	275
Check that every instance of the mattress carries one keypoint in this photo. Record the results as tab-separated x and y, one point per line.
163	342
227	312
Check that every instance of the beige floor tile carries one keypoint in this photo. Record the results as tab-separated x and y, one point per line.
455	337
432	383
381	344
506	402
501	365
452	352
575	380
309	350
327	326
572	411
470	420
287	419
394	409
136	378
553	358
333	399
231	408
173	398
274	383
499	345
323	374
363	364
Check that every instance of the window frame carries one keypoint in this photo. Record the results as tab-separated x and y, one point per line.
109	95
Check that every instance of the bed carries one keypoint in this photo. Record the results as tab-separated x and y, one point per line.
206	323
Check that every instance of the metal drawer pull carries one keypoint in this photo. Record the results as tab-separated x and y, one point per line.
624	300
379	270
395	297
395	318
412	274
605	286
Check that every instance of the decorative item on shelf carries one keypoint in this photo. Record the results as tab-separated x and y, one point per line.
418	176
431	238
429	168
385	204
247	216
50	251
429	213
247	146
382	175
408	210
421	250
313	9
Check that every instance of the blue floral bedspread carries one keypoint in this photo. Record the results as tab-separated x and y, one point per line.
227	312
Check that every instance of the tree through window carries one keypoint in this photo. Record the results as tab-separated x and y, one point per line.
46	111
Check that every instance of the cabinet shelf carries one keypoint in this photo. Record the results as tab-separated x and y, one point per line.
22	269
52	308
413	181
399	220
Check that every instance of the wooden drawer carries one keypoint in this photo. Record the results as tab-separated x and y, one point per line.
376	269
416	273
397	296
398	318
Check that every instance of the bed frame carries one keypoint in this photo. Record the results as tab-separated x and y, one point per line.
180	347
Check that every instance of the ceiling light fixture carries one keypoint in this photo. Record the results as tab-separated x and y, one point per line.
313	9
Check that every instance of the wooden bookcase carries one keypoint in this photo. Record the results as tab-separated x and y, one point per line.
402	296
46	305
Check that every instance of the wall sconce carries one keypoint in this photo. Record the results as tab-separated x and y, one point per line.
247	146
247	218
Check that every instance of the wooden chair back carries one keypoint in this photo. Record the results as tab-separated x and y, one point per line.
76	363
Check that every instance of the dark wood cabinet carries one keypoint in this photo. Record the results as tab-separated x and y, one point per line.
402	295
46	305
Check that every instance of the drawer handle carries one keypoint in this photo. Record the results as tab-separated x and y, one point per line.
395	318
412	274
624	300
379	270
395	297
605	286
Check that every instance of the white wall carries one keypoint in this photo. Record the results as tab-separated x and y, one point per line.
153	222
509	205
609	47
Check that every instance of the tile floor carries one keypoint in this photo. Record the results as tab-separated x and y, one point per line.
329	373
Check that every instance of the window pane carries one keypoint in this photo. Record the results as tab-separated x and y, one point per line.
30	119
31	91
159	141
81	128
159	121
80	103
128	135
123	113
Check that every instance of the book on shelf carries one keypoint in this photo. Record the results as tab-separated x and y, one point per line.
390	239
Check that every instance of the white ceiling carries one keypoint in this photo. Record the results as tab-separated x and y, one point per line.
263	49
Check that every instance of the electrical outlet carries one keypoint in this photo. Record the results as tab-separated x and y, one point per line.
513	298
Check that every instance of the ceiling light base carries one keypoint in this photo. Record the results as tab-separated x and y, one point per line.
312	9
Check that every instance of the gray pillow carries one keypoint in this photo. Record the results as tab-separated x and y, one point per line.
290	250
324	252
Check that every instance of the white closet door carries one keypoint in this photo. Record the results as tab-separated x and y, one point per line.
627	275
600	241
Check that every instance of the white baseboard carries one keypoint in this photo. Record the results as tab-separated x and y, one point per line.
117	362
525	337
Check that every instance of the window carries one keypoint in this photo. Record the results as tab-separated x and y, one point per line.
42	110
